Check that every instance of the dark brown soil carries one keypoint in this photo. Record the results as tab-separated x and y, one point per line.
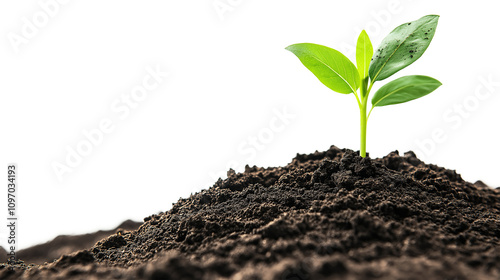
65	244
327	215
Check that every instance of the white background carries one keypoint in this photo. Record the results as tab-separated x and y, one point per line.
228	76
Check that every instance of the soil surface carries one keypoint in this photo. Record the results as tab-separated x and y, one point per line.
65	244
326	215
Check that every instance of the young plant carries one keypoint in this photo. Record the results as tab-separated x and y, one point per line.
405	44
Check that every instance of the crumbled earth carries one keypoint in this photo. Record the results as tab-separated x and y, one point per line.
326	215
65	244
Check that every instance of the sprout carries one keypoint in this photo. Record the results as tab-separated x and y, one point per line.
403	46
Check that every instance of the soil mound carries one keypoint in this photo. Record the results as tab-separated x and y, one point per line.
66	244
326	215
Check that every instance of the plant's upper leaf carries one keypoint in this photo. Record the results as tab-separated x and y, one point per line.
405	44
404	89
364	53
331	67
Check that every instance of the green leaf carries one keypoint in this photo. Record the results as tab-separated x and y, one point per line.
331	67
405	44
404	89
364	53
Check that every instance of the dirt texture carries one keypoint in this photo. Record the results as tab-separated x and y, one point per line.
66	244
326	215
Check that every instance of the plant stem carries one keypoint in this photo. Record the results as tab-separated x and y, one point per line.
363	119
363	122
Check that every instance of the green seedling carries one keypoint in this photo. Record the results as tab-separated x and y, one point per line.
405	44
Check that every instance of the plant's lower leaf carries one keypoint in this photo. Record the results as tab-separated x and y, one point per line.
404	89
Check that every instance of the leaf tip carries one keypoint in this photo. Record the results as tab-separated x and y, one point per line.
436	17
